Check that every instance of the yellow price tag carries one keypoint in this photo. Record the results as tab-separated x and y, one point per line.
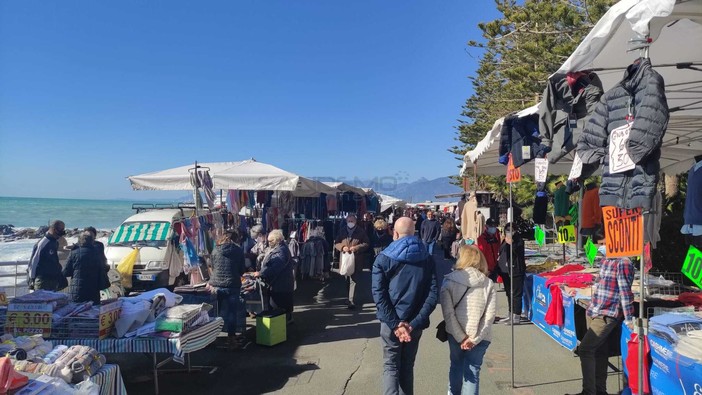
29	319
566	234
108	315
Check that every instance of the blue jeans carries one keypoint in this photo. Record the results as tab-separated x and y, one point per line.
228	300
398	361
430	247
464	373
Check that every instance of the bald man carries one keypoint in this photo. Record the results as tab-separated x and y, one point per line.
405	291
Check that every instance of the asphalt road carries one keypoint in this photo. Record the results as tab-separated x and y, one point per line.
331	350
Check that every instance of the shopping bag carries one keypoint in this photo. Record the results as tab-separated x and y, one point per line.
348	264
126	266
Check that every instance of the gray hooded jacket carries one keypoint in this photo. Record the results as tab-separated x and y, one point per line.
644	89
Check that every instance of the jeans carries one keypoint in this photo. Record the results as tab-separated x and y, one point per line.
398	361
594	353
228	301
464	373
430	247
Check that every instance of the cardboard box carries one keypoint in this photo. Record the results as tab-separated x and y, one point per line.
271	329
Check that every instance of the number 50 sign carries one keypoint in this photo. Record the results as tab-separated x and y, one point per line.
692	267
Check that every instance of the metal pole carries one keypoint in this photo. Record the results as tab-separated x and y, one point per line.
511	280
640	330
581	193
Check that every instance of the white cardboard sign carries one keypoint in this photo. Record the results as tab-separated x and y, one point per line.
577	168
540	169
619	159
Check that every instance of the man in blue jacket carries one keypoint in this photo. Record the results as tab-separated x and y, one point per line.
405	292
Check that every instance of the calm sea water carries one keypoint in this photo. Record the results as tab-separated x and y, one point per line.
76	213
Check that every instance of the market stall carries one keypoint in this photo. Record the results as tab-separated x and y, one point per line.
557	136
54	340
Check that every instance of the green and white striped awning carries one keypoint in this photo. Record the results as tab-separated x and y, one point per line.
140	231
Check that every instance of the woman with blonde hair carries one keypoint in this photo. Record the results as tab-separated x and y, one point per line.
468	305
380	238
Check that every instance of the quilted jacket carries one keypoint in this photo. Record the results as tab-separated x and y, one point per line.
643	89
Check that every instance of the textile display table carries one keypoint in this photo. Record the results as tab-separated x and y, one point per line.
669	371
109	378
180	347
536	300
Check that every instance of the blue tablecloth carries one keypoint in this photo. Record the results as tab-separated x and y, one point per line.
537	298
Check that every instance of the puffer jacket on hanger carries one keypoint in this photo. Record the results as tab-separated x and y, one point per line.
571	94
645	89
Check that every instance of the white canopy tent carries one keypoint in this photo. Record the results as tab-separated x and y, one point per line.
244	175
344	187
675	53
387	201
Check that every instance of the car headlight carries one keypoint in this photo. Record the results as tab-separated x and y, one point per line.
156	265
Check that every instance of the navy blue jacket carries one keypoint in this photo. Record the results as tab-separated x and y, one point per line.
85	267
405	284
227	266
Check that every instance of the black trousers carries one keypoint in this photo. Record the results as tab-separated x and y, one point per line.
516	298
446	243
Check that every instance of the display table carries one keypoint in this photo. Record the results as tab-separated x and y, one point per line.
536	300
109	378
179	347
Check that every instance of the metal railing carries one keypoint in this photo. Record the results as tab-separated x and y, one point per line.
14	280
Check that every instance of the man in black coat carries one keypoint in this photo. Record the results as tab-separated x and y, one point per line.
44	270
512	243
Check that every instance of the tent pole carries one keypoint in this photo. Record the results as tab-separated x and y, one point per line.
581	193
510	313
640	329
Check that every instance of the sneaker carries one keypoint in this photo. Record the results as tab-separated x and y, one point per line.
504	320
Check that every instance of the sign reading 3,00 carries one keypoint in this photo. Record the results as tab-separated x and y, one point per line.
28	319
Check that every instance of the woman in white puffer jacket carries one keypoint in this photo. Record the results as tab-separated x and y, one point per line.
468	304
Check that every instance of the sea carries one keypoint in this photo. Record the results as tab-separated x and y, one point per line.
75	213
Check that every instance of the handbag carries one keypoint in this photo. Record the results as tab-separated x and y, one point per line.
348	264
441	333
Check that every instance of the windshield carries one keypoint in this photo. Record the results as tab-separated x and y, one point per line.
142	234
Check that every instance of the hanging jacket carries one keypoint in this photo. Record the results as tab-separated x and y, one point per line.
644	88
520	137
567	95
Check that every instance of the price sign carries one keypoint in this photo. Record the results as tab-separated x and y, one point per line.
577	168
540	169
590	251
566	234
539	235
109	313
692	267
26	319
623	231
619	159
513	174
3	297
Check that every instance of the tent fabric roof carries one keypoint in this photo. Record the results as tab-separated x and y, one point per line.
676	30
243	175
387	201
344	187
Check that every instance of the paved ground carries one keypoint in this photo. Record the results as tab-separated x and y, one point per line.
331	350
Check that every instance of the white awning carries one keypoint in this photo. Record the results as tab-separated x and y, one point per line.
247	175
676	53
344	187
387	201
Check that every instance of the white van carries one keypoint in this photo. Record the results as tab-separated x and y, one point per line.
160	262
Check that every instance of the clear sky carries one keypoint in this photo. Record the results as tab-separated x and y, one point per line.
94	91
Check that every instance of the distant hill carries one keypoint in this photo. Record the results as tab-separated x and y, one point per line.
418	191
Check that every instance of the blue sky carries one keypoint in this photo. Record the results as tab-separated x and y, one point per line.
94	91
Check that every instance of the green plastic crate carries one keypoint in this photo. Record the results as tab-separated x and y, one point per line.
271	329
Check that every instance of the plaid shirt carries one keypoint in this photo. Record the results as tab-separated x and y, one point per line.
612	296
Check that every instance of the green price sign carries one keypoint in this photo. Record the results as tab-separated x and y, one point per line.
539	235
692	267
566	234
590	251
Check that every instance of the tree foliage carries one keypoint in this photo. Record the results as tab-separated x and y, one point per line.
519	51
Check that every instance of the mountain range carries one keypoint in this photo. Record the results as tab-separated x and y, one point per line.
418	191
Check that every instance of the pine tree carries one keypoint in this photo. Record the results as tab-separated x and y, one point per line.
519	51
